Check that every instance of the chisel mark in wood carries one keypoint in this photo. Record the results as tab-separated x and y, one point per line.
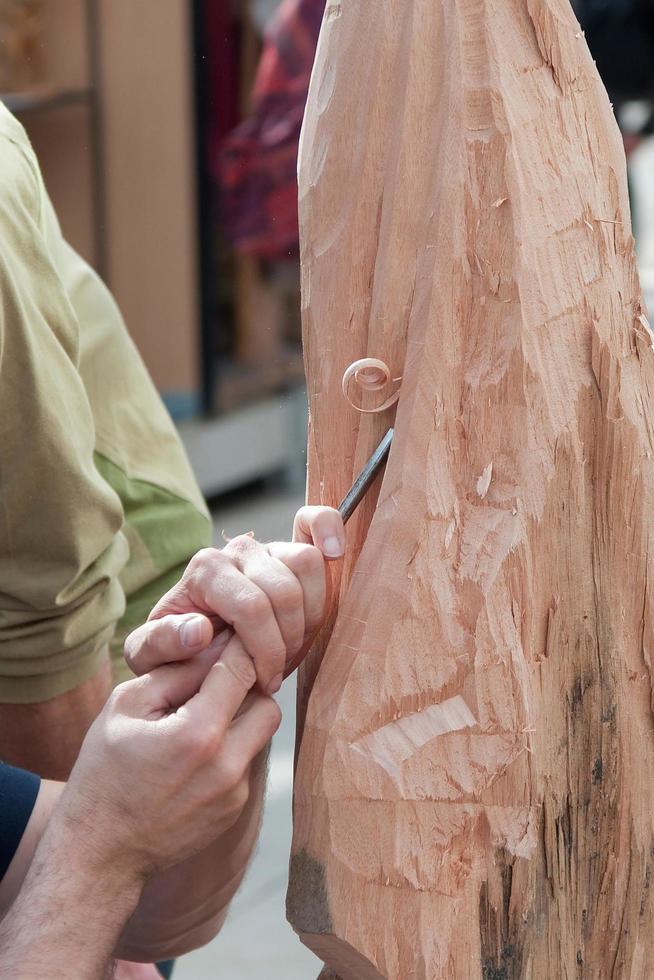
398	740
484	481
333	11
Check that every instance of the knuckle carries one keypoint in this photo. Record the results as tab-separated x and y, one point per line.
165	626
239	545
212	734
202	558
242	670
308	561
275	656
119	697
287	595
202	742
153	634
253	605
233	770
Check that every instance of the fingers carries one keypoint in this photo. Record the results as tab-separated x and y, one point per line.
284	591
252	730
245	606
168	687
273	598
167	640
323	527
223	690
232	719
309	568
214	583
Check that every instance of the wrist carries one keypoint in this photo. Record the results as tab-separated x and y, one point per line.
71	890
87	845
99	833
92	863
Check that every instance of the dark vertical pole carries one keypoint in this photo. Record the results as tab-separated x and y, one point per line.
97	137
203	198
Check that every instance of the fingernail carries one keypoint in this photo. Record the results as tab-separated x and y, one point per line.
191	632
275	684
332	547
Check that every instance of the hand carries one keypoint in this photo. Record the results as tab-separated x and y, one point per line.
273	596
164	769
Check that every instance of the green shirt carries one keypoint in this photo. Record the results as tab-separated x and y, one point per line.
99	510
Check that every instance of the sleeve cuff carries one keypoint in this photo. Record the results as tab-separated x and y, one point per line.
18	792
34	688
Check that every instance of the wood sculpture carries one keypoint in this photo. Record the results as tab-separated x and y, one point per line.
474	790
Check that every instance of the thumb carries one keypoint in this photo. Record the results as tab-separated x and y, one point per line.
163	641
167	688
322	527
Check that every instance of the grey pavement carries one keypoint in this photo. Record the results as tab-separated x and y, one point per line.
256	943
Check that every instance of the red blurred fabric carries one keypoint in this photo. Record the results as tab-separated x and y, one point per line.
257	163
221	29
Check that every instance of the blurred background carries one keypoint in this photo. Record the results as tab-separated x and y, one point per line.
167	133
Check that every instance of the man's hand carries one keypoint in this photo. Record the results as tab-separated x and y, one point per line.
164	771
272	596
165	767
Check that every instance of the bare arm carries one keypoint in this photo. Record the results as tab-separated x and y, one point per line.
11	883
64	881
189	753
46	737
185	907
181	908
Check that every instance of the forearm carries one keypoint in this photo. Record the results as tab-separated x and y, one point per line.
12	882
46	737
185	907
49	927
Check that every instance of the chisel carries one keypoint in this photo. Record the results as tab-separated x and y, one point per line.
362	484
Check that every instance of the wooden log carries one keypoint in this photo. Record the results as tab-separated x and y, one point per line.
474	791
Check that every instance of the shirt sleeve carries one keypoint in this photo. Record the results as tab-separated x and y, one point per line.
61	545
18	792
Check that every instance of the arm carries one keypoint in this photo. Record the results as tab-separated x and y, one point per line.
187	735
164	924
27	807
46	737
61	546
36	822
186	906
40	937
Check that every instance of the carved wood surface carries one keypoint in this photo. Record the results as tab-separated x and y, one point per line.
474	791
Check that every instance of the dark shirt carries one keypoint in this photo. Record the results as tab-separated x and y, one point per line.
18	792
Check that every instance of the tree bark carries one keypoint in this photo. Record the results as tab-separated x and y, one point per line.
474	791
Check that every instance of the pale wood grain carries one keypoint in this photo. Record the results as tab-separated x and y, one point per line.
464	217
